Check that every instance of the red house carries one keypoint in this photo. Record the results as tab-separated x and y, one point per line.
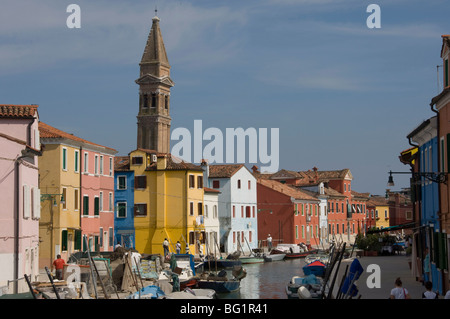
288	214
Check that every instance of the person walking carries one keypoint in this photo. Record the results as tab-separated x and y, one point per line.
178	247
58	264
269	242
399	292
428	294
166	247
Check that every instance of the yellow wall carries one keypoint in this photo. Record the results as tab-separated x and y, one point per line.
167	197
382	221
53	179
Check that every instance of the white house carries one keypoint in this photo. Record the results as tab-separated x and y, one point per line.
237	205
211	220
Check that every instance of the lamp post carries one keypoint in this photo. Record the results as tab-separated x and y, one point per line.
431	176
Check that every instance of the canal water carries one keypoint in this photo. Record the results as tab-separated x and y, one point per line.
267	280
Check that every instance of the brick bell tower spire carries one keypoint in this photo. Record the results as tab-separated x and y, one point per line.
153	119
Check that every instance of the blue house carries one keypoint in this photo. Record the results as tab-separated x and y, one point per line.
425	137
124	203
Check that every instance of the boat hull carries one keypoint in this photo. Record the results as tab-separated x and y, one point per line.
274	257
251	260
220	286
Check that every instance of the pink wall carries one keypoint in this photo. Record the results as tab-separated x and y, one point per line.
92	185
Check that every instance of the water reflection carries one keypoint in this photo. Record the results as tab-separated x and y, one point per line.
267	280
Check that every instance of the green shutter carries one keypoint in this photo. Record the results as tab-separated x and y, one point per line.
64	163
96	206
86	205
64	240
77	239
76	161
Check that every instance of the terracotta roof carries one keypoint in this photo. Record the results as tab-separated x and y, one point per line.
377	201
18	111
361	196
122	163
210	190
174	163
47	131
332	192
224	170
286	189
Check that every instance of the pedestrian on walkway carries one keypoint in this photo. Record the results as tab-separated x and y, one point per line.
428	294
269	242
166	247
399	292
58	264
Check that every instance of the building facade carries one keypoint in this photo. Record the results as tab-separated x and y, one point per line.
19	195
288	214
237	209
168	202
124	203
77	187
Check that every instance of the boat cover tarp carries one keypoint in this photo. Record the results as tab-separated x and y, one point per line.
316	268
349	288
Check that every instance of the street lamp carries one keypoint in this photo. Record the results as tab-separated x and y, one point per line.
431	176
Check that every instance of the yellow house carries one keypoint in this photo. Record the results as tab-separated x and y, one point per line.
168	202
59	178
379	209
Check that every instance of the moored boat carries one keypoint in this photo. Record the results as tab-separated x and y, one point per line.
251	259
274	257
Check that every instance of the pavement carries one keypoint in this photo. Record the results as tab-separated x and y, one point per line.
390	268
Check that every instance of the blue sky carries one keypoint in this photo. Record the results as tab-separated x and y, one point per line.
341	94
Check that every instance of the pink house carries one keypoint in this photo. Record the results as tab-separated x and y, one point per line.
97	189
19	196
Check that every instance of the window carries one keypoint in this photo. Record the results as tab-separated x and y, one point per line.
101	202
64	196
234	211
442	155
215	211
137	160
85	205
140	182
206	211
254	212
111	236
200	209
153	100
101	164
238	183
64	240
121	182
111	202
303	231
86	162
249	184
296	231
121	210
96	206
191	181
76	199
166	102
76	160
248	213
26	201
191	209
111	166
242	211
96	165
140	210
216	184
64	158
199	181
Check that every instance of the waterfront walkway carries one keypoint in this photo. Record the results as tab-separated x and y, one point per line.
391	267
